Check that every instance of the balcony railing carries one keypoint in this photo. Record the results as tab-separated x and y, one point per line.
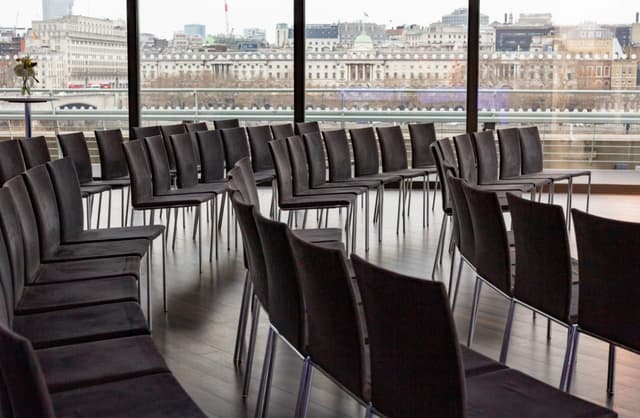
595	128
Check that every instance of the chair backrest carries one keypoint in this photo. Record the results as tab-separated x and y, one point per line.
211	156
316	158
12	262
338	154
286	309
510	153
532	154
167	131
45	207
68	196
335	334
422	136
466	239
186	165
6	306
22	379
467	164
196	127
307	127
299	165
416	366
226	123
448	152
486	156
392	148
543	256
365	151
249	189
253	249
11	161
35	151
235	145
492	259
113	163
609	270
140	170
160	166
141	132
74	146
440	166
282	131
259	137
282	163
25	216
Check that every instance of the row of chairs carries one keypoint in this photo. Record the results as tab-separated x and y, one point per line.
532	266
386	339
73	337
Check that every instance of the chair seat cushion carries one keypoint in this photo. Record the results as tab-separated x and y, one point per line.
319	235
133	247
148	232
152	396
110	184
174	200
328	201
475	363
333	191
264	176
88	190
98	362
551	175
72	326
88	269
383	178
49	297
510	393
371	184
409	172
537	181
216	188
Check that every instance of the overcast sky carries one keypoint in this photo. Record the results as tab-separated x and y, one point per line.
163	17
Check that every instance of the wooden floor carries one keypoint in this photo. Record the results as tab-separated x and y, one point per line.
197	334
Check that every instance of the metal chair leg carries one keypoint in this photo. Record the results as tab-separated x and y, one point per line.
164	272
507	332
252	346
400	188
149	311
474	311
567	356
199	222
574	358
242	320
175	228
99	211
455	292
588	193
438	247
611	371
267	373
366	221
380	211
304	388
109	211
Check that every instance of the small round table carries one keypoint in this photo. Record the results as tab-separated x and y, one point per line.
27	108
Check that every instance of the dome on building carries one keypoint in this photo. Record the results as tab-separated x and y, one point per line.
362	42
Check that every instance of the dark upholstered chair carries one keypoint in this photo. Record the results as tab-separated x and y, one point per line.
447	206
282	131
187	171
143	198
141	132
492	252
11	161
422	135
211	156
417	368
194	127
335	340
394	160
113	164
259	137
23	390
34	151
167	131
307	127
609	271
300	178
533	163
236	147
366	160
226	123
287	201
339	159
546	275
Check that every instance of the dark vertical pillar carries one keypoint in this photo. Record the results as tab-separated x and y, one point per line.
298	60
473	62
133	64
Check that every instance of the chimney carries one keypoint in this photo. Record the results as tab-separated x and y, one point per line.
505	19
637	17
